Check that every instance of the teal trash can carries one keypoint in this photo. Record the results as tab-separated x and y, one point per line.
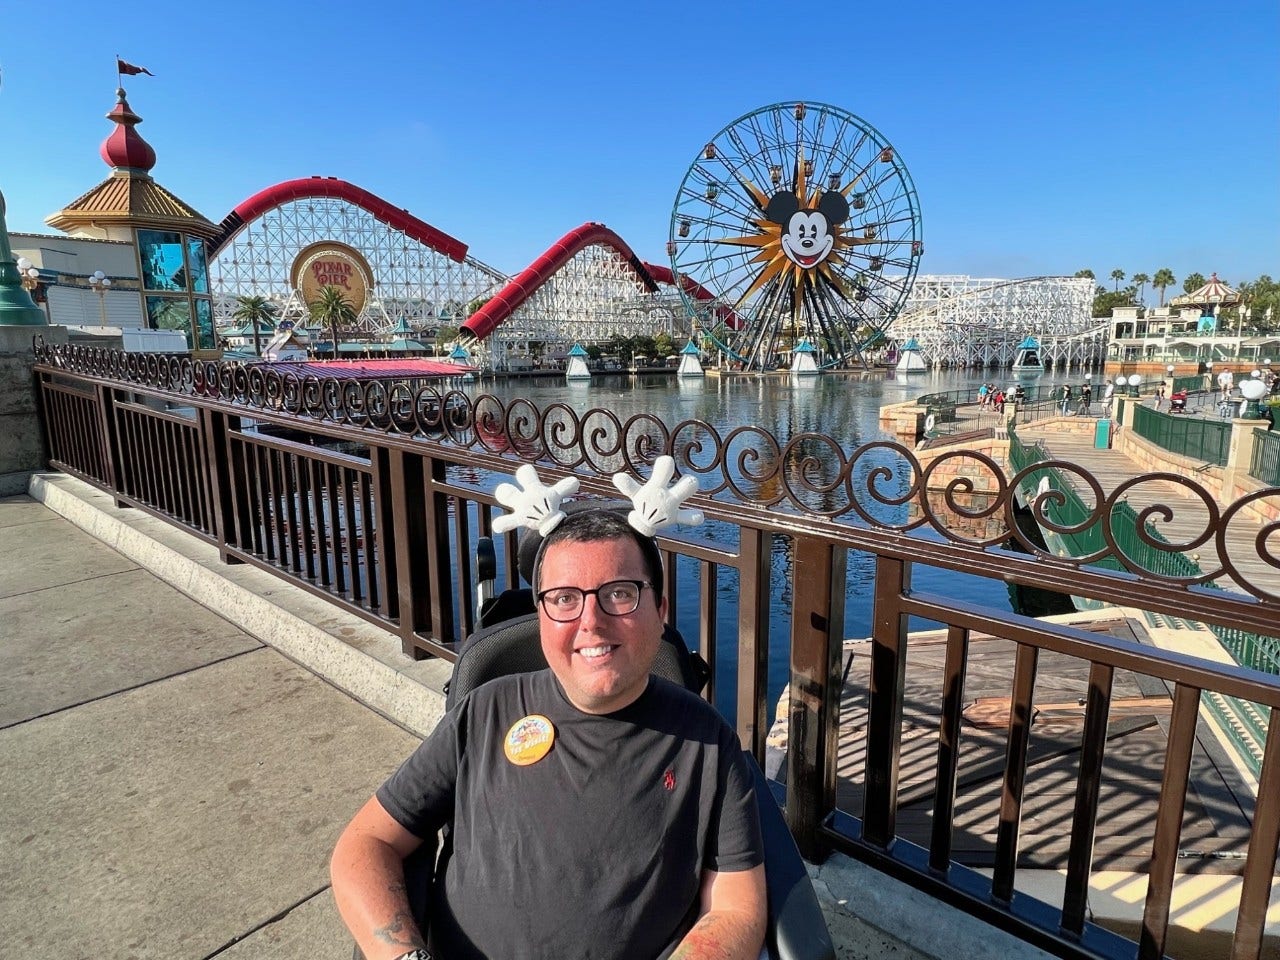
1102	435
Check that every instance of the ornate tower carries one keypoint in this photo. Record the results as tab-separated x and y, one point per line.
169	236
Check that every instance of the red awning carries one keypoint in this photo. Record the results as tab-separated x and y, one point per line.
370	369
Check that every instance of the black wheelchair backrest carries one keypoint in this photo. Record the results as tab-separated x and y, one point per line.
513	647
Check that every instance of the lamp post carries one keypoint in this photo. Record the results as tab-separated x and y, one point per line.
16	305
30	275
1134	380
100	283
1252	390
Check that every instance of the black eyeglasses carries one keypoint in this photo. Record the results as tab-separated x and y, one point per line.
616	598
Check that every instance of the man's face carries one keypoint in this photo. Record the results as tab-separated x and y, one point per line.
601	661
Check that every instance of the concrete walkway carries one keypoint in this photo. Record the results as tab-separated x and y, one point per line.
172	786
183	740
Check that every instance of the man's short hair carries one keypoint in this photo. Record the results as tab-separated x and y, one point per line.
593	526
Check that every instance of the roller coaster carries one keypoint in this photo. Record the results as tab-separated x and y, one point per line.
589	286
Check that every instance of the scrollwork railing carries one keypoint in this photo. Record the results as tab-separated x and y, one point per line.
807	474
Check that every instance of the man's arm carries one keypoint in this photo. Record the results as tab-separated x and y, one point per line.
368	883
732	921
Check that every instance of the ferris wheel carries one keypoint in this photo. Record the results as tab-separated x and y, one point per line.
796	222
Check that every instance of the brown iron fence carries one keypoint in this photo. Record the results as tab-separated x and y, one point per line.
371	495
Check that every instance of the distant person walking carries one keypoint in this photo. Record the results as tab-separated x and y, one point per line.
1108	395
1159	394
1226	381
1086	397
1064	399
983	396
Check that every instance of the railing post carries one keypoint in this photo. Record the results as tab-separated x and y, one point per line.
412	544
112	461
884	707
817	635
212	425
1244	433
435	547
389	532
753	639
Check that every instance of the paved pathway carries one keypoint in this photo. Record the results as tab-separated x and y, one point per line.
172	787
1189	514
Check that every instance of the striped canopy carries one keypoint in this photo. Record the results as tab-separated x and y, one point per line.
1213	293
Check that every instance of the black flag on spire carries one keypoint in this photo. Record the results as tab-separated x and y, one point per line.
129	69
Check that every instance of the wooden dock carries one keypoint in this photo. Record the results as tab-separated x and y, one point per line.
1219	804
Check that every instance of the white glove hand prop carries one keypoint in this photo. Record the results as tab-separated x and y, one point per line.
533	504
655	505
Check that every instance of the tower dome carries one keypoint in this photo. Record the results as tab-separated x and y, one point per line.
125	149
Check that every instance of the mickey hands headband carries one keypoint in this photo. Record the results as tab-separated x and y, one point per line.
536	506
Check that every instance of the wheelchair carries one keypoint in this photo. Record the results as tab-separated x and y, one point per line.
506	641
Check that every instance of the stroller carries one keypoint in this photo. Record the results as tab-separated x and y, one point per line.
1178	402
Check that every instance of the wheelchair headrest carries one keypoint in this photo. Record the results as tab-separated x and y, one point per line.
531	540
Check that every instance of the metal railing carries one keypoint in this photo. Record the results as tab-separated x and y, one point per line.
370	496
1207	441
1084	537
1264	465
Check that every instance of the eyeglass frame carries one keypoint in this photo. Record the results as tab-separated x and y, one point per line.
582	599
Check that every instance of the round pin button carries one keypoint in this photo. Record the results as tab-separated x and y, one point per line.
529	740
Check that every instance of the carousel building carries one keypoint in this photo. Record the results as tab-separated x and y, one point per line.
1191	329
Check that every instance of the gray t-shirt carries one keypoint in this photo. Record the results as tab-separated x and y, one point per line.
596	849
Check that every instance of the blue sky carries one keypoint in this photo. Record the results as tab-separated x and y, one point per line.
1042	138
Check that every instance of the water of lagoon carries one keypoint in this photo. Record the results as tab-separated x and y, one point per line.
843	407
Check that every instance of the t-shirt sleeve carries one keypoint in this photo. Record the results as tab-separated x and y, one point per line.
420	795
734	843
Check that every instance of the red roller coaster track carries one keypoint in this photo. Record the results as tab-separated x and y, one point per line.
485	320
281	193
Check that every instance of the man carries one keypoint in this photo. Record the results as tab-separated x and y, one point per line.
595	810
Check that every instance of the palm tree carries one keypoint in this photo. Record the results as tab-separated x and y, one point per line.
1193	283
1164	278
1117	276
333	308
1141	279
254	310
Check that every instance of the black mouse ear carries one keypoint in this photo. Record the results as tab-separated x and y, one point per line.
782	206
834	206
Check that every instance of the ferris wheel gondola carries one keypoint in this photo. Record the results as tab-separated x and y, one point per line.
803	223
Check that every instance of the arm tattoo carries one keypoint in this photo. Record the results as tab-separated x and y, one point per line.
702	941
401	931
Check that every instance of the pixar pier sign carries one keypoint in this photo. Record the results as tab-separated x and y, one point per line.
332	264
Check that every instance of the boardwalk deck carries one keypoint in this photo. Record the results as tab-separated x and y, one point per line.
1219	806
1189	518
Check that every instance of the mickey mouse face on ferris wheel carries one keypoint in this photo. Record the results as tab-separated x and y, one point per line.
807	235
